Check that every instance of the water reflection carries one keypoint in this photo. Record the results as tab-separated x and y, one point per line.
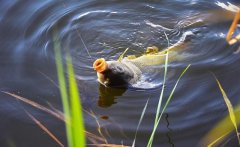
108	95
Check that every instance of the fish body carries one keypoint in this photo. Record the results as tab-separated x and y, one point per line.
129	70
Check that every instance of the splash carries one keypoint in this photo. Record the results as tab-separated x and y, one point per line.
146	83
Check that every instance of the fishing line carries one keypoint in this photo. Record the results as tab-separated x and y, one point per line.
80	36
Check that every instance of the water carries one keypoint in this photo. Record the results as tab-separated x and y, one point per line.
96	29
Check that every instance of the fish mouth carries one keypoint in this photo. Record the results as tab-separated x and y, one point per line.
100	65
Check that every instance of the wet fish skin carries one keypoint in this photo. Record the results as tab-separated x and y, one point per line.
118	74
129	70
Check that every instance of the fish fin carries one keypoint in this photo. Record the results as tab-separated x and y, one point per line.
130	57
181	44
151	50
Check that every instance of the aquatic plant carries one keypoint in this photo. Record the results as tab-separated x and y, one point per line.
165	106
226	125
73	110
122	55
44	129
230	109
142	115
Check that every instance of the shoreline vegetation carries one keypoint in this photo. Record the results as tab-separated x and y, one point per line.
71	101
225	126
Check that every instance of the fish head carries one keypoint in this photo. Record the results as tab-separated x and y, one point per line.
113	73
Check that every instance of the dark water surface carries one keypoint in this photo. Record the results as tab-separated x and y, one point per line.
96	29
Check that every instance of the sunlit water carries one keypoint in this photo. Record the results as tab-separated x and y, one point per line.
104	29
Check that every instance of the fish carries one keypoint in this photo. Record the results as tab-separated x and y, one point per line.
128	71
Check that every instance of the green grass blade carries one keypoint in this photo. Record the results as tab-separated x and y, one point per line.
167	39
218	139
163	87
122	55
173	90
230	108
62	86
165	106
217	133
142	115
73	112
162	91
76	109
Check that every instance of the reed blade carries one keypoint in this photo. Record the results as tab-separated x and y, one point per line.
72	110
230	108
164	81
218	139
162	91
150	141
62	86
45	129
221	130
122	55
140	120
77	121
